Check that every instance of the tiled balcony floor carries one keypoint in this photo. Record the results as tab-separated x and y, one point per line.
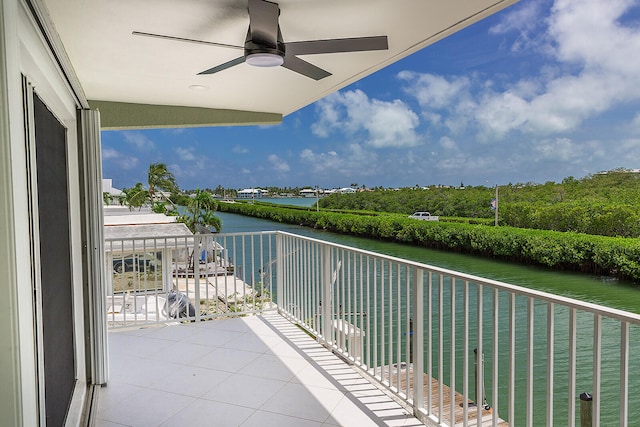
251	371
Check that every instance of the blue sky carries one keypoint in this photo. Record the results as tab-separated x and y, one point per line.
541	91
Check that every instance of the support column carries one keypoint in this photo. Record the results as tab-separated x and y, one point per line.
94	274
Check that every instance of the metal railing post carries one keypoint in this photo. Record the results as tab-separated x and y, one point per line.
279	272
196	275
418	341
327	301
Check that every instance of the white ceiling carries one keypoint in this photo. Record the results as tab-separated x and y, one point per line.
114	65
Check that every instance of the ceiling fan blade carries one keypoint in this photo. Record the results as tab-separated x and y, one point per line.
300	66
356	44
263	22
224	66
183	39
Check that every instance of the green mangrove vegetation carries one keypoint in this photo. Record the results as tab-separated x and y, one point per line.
606	204
611	256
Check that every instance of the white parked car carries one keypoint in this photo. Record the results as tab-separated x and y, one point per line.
425	216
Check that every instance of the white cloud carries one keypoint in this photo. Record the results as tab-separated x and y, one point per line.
277	163
110	153
595	68
138	140
448	143
634	125
435	92
559	149
382	123
321	162
186	153
239	149
120	160
176	170
524	20
354	161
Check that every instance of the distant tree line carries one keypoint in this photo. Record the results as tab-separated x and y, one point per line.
605	204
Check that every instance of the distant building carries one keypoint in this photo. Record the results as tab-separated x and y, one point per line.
252	193
346	190
107	187
309	192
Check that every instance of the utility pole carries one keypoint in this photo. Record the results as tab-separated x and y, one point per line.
496	205
317	199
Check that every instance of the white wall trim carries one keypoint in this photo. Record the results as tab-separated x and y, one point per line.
50	35
11	402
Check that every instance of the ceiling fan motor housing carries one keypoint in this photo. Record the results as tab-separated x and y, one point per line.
264	54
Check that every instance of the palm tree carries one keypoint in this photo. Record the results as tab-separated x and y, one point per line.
209	219
107	198
135	197
160	179
200	211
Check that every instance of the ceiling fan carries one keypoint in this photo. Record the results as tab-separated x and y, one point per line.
264	45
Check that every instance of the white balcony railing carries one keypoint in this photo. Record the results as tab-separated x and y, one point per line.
438	340
196	277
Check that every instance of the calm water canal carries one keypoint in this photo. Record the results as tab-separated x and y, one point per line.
596	289
600	290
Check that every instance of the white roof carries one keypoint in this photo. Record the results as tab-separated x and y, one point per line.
146	231
145	218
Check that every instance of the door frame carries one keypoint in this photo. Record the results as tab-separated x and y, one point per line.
33	64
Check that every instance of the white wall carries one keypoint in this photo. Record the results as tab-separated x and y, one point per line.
25	52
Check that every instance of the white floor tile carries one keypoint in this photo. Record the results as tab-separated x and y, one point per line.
189	380
146	408
245	390
284	348
271	366
138	371
209	413
349	413
226	360
176	332
212	337
139	346
233	325
182	353
297	400
255	343
269	419
103	423
114	393
310	375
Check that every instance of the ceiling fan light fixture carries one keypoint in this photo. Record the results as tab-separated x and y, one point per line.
264	59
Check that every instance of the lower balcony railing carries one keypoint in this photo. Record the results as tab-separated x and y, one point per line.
151	280
453	347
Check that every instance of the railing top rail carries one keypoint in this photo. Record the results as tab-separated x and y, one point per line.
188	236
545	296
